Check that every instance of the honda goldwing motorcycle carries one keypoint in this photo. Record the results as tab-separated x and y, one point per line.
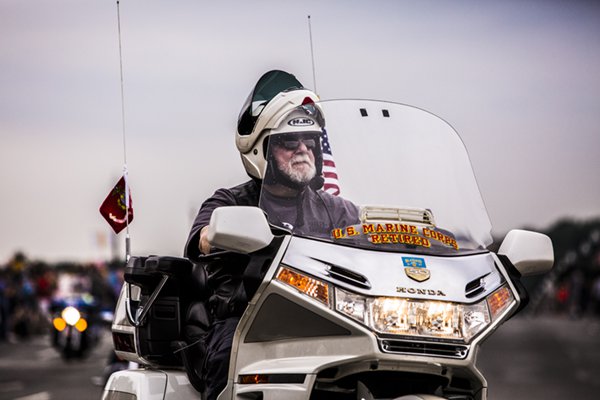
392	307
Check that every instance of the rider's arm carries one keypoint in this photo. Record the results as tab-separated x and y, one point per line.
194	246
245	194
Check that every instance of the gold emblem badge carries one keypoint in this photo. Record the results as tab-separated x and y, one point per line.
417	274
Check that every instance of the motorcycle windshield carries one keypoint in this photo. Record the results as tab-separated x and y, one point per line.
375	175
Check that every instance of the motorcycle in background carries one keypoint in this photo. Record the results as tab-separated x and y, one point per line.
74	325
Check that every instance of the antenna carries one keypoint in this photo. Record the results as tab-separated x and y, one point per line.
312	55
125	172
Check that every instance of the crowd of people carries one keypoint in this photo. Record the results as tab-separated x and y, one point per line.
572	287
28	287
576	295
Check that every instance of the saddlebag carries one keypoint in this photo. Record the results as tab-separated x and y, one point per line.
154	309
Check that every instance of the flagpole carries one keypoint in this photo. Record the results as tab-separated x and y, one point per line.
312	56
125	171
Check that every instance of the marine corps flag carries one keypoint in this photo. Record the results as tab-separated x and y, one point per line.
114	206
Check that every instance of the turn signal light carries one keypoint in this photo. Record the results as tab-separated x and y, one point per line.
309	286
81	325
499	301
59	324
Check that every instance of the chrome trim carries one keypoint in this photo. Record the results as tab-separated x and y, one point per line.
422	348
142	309
348	276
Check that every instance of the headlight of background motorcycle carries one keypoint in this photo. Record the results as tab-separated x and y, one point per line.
424	318
71	315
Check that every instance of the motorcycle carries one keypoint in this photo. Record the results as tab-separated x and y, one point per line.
394	306
74	330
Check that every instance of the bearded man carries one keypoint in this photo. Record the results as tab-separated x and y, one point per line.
279	138
290	191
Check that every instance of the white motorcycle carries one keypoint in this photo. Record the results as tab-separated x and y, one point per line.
392	307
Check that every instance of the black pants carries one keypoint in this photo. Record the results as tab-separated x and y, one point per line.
219	342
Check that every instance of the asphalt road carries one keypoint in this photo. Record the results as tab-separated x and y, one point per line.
33	370
543	358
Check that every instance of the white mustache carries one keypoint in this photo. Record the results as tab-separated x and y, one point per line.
299	158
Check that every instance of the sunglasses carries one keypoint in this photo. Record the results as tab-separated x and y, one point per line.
292	143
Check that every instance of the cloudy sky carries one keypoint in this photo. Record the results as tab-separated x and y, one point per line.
519	81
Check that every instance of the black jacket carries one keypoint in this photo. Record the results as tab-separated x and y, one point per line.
246	194
311	212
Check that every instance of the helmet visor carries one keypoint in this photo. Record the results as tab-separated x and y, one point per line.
267	87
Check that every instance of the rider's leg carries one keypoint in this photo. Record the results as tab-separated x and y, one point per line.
219	349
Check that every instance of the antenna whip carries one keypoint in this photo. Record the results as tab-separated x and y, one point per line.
125	172
312	55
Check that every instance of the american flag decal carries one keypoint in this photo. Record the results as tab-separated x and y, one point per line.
330	176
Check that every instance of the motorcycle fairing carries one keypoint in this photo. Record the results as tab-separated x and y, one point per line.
405	169
386	275
330	356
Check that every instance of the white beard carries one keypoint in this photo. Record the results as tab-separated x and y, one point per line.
302	173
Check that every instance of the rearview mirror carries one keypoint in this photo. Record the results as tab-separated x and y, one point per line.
239	228
530	252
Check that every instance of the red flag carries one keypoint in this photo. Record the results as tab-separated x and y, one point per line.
114	206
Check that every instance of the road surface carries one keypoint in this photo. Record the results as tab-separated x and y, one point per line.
544	358
33	370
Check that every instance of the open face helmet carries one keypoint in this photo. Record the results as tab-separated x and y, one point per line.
276	105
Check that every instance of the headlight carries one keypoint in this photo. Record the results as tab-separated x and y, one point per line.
422	318
70	315
402	316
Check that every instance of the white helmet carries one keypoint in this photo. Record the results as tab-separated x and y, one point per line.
267	111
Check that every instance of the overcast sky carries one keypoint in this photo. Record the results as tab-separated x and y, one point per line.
519	80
